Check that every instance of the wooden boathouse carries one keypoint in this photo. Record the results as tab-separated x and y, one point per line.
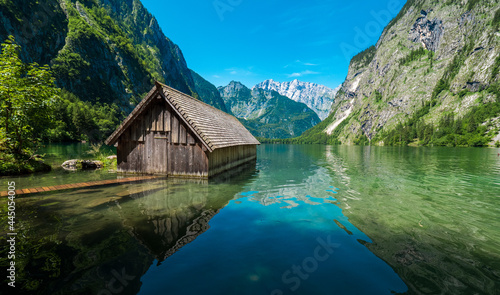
171	133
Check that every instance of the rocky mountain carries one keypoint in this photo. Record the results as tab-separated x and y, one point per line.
109	51
267	113
432	78
317	97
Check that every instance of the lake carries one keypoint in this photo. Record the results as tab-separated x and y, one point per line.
305	219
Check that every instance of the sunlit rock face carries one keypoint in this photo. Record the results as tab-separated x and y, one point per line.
317	97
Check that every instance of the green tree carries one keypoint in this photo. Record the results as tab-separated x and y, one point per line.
27	96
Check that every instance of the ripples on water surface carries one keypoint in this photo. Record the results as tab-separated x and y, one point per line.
432	212
305	220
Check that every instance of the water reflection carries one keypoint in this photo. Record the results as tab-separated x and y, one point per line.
421	221
290	174
55	155
266	241
431	212
102	240
166	220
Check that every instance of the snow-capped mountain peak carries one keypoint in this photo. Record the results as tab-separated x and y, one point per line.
318	97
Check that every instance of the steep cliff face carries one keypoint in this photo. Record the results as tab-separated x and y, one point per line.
100	50
426	31
143	29
435	59
267	113
236	96
40	27
317	97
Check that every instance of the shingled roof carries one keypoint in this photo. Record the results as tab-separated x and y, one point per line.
214	128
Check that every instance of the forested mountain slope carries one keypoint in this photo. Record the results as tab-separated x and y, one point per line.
105	55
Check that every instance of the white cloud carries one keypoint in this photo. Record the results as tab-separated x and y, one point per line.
298	63
303	73
241	72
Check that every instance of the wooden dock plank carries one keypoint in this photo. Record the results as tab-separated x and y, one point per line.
79	185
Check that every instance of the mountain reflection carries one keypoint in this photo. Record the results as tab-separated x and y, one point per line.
290	175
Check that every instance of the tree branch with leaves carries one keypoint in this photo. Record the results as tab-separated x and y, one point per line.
28	95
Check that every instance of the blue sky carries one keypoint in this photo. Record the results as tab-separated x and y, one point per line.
254	40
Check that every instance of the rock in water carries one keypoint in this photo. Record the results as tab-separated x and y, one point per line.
70	164
82	164
89	164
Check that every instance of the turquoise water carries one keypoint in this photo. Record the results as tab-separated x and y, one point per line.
303	220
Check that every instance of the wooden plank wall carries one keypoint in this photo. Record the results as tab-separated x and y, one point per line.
227	158
159	143
185	152
187	160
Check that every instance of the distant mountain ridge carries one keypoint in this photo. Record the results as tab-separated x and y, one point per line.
317	97
267	113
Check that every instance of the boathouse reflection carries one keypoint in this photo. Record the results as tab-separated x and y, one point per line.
106	238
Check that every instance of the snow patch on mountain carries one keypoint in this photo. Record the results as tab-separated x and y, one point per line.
317	97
